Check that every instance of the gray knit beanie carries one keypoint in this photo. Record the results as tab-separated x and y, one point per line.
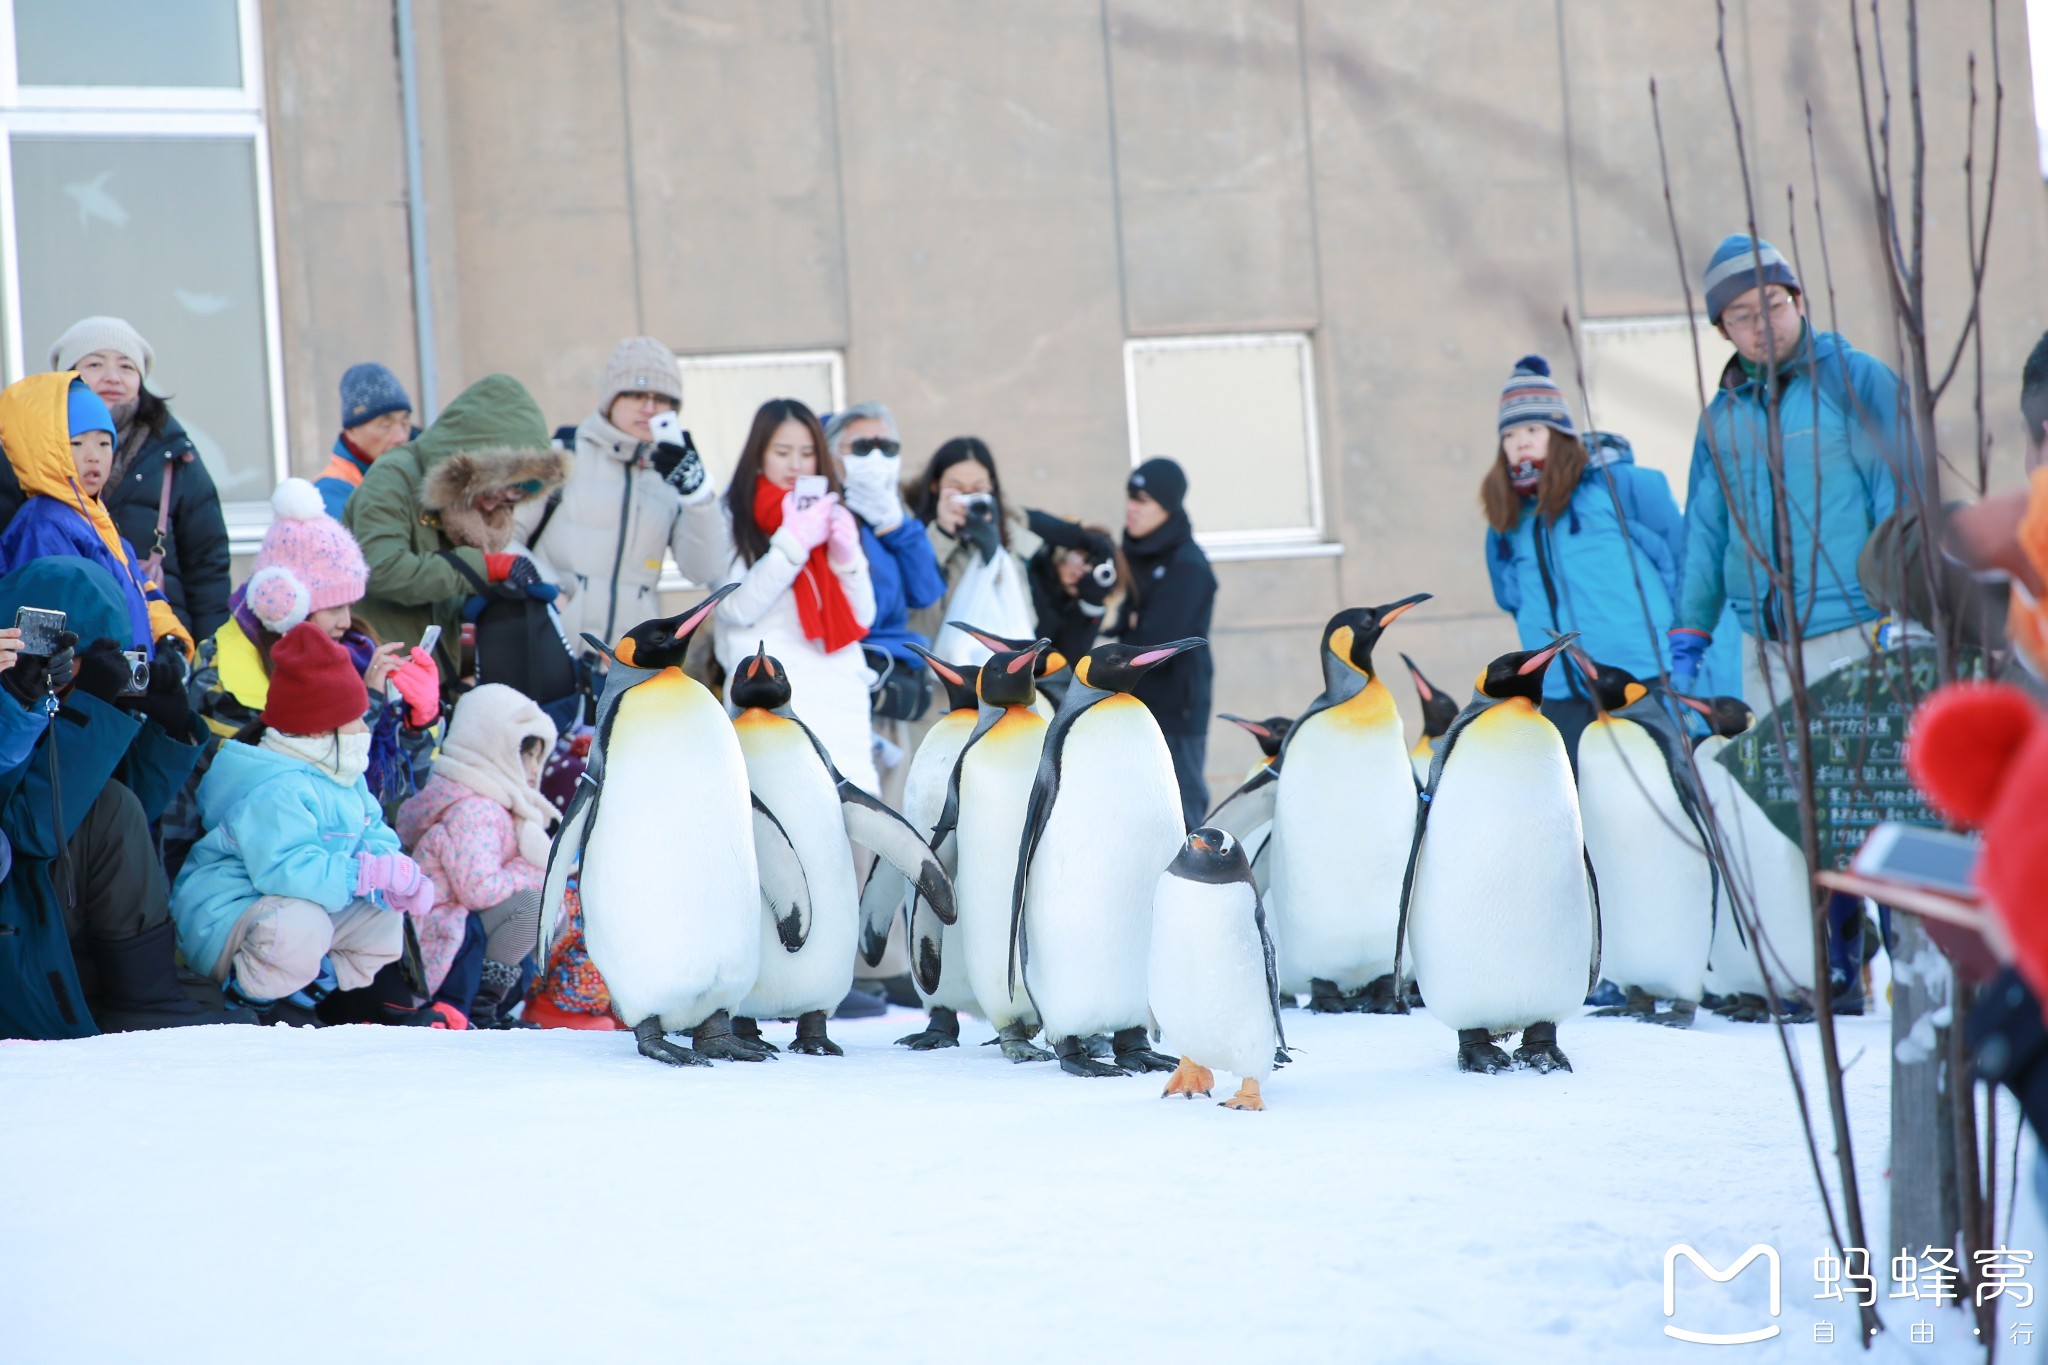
87	335
640	365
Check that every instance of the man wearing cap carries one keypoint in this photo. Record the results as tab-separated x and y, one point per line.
376	417
637	488
1171	597
1837	417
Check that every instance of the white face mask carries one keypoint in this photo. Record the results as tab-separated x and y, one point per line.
874	470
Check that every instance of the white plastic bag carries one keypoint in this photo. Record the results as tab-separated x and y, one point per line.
990	597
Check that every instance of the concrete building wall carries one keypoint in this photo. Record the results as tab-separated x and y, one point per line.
979	203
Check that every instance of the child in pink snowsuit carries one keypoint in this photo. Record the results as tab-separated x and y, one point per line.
481	829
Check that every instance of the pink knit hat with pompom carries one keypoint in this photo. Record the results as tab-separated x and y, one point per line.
308	562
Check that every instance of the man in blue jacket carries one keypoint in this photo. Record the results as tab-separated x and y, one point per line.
1838	419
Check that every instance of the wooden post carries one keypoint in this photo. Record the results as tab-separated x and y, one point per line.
1924	1208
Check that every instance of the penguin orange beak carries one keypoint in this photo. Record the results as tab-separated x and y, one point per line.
1385	615
1165	652
938	665
1422	687
682	625
1704	708
996	643
1253	726
1200	845
1540	660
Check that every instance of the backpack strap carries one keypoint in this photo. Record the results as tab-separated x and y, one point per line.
547	514
482	585
153	563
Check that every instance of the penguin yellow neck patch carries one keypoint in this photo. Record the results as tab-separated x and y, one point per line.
1341	640
1373	705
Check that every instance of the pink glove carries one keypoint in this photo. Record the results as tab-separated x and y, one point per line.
810	525
392	873
418	680
417	901
844	537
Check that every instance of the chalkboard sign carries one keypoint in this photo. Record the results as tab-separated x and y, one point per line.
1858	736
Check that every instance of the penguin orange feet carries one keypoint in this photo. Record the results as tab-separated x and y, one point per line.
1133	1055
648	1034
1247	1096
716	1037
1189	1080
1075	1061
1476	1052
1539	1051
811	1039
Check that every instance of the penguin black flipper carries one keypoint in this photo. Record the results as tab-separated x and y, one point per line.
785	891
564	854
925	942
895	840
879	898
1250	806
1475	708
1272	967
1045	789
1593	894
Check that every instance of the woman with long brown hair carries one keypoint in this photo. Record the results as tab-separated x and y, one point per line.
804	593
1574	530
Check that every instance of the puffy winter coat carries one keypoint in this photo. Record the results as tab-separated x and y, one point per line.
603	540
469	845
342	476
1580	571
194	577
828	691
1843	437
275	826
906	578
1172	597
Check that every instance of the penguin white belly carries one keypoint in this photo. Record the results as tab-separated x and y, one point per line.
995	788
1501	921
785	772
1419	759
1343	823
1770	871
1656	885
670	891
924	800
1207	977
1115	826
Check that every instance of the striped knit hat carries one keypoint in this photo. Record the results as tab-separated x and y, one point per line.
1532	396
1732	271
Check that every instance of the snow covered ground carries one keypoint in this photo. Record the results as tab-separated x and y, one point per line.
235	1194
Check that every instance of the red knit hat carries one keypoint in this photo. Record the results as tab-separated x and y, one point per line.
314	686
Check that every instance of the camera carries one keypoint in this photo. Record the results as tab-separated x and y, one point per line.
138	673
40	630
980	506
1104	574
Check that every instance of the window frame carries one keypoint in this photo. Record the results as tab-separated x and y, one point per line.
1280	542
141	112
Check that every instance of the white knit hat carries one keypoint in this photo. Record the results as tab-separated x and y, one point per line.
87	335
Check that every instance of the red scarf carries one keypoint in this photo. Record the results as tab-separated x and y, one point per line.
820	602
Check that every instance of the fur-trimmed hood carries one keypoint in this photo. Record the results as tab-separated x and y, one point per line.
491	437
461	479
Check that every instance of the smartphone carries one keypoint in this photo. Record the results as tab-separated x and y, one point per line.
668	428
1933	859
811	487
39	629
429	640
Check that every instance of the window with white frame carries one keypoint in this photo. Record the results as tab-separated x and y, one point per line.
721	393
1644	380
135	181
1239	414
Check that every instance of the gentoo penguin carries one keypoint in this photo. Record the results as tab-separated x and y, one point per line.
1343	817
1646	834
1498	909
938	968
1214	987
1439	709
1764	883
823	814
983	820
677	946
1052	674
1104	820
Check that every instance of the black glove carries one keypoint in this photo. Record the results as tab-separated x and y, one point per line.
170	655
1099	548
35	676
165	702
103	670
1097	583
680	467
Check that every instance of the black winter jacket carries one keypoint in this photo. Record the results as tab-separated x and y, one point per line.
1172	596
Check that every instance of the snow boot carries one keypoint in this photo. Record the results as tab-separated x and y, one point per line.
860	1004
1606	995
495	995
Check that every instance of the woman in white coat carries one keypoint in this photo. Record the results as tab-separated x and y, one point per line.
804	588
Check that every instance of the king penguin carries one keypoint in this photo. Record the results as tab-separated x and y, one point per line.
1439	709
1252	793
1214	986
1104	820
1052	673
983	820
1498	910
1765	885
677	946
1343	817
793	781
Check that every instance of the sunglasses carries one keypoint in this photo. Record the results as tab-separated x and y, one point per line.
874	445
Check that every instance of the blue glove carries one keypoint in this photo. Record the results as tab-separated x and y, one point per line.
1688	648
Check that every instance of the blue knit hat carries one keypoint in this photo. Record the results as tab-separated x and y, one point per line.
87	412
368	391
1732	271
1530	395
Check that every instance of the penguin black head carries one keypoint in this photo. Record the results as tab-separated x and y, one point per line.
1211	855
759	680
1351	633
1270	732
1520	674
1009	678
958	679
1439	709
1117	668
1726	716
1049	663
662	642
1614	689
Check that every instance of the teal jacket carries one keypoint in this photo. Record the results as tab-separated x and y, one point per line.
1843	432
275	826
